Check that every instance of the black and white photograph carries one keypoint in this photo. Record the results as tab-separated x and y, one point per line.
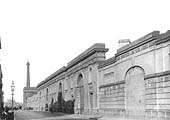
84	60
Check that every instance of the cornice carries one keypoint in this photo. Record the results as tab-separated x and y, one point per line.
84	56
51	81
163	38
57	73
98	47
81	67
147	38
95	59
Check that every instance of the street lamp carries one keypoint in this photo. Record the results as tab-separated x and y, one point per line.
12	90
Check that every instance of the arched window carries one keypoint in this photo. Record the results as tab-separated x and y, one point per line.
66	84
40	95
47	94
80	80
60	87
71	84
80	92
90	75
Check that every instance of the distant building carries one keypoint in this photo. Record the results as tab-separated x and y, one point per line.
134	82
28	91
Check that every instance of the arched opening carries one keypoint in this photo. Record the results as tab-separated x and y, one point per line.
90	75
60	98
46	107
52	105
80	94
60	87
135	91
91	100
47	94
40	102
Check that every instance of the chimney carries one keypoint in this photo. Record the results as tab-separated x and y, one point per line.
123	42
28	75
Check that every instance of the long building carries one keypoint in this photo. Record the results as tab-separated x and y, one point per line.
1	91
134	82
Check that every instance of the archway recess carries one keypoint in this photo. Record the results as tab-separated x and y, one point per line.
80	94
135	91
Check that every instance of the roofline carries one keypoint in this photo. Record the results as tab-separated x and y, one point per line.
98	47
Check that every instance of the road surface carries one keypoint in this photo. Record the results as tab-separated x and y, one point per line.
28	115
37	115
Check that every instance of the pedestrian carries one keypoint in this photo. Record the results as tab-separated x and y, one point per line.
4	115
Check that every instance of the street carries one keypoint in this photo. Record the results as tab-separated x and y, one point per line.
34	115
28	115
37	115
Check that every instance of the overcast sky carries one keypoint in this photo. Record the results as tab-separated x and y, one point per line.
50	33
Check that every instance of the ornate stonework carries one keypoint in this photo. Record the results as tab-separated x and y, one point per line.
134	82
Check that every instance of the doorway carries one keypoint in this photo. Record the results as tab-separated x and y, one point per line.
80	94
135	91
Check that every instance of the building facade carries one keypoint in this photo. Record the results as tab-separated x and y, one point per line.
134	82
1	91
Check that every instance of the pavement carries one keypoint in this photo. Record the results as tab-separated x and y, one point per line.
90	117
34	115
84	117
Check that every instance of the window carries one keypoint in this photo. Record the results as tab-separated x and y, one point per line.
60	87
71	81
40	95
90	75
47	94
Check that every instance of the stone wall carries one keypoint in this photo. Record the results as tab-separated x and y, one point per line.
112	99
84	65
136	81
157	87
146	93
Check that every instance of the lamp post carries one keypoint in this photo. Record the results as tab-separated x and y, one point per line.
12	90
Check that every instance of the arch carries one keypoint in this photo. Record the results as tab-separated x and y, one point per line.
135	91
47	94
90	75
46	90
80	80
136	66
46	107
52	105
40	94
71	82
60	87
80	94
67	85
40	101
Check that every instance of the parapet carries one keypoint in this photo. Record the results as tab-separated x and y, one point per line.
95	48
149	37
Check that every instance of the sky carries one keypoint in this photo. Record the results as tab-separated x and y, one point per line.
50	33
